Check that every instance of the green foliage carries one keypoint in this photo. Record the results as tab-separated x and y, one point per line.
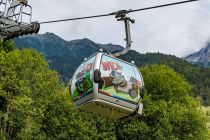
165	84
7	46
169	111
35	105
25	84
63	121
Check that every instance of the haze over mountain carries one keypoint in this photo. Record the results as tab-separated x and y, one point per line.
201	57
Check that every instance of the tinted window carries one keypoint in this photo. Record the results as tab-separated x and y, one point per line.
82	83
119	79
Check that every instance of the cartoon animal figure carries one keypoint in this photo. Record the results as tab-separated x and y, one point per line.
87	81
84	83
79	86
121	84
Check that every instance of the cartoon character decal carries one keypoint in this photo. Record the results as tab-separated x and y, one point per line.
82	83
119	80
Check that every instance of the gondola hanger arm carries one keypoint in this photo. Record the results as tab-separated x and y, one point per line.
121	16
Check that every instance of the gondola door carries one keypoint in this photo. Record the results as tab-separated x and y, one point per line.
82	83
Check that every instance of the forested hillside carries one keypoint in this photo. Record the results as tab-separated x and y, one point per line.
66	56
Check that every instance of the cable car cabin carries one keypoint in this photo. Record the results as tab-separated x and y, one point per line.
107	86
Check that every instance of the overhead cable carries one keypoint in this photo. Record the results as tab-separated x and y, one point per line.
114	13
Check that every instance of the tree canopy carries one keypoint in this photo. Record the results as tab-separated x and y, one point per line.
169	110
34	104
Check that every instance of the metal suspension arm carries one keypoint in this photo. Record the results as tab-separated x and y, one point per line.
121	16
12	23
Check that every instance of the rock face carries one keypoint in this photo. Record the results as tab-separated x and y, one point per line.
201	57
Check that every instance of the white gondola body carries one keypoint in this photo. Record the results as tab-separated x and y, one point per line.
118	92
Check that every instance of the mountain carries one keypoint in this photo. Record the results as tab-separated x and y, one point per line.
201	57
65	56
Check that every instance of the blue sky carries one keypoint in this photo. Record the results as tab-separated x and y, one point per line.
177	30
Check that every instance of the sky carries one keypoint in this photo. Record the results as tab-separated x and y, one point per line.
178	30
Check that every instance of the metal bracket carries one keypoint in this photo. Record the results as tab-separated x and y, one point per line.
13	19
121	16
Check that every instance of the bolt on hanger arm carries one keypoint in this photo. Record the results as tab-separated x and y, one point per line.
121	16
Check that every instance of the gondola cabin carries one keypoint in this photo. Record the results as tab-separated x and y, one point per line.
107	86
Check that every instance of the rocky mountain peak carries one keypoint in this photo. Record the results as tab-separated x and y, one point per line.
201	57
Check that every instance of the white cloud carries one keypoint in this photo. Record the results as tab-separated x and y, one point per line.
177	30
